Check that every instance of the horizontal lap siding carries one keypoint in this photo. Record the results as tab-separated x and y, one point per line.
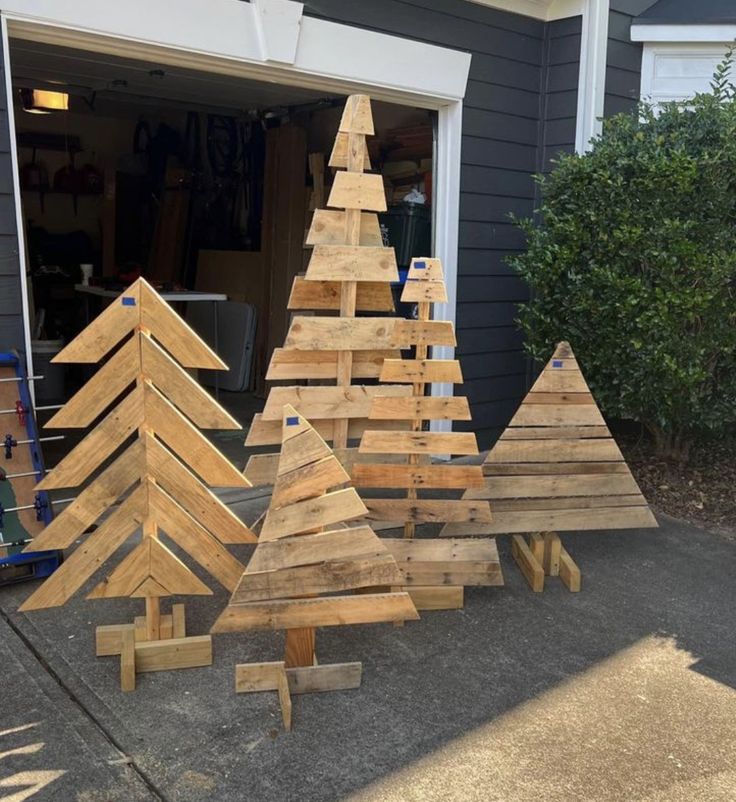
623	63
11	310
500	153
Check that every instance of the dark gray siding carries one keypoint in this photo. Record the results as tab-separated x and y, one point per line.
623	64
502	135
11	314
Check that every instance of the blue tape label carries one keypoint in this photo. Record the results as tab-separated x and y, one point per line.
420	265
556	363
292	421
128	301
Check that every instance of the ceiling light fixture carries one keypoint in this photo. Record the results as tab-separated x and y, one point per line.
42	101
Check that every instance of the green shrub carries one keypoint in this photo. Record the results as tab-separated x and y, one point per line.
635	264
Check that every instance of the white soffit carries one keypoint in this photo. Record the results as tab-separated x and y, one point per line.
268	40
546	10
683	33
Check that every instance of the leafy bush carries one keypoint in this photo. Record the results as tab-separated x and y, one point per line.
635	265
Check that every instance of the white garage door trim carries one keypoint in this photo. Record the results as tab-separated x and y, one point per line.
270	40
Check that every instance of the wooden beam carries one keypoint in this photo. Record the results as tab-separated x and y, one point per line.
423	408
164	655
528	565
320	403
290	365
437	598
412	371
371	296
357	191
431	476
377	442
427	510
352	263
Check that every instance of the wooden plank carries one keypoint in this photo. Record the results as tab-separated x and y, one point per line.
319	547
339	155
307	481
303	450
528	565
173	653
181	389
559	398
423	408
101	390
536	546
352	263
264	433
258	677
127	659
570	520
371	296
560	381
340	333
328	611
342	505
433	292
425	268
357	191
178	621
430	476
106	330
552	546
569	572
90	555
291	365
569	503
199	501
327	577
437	598
414	371
320	403
557	415
319	679
447	562
555	432
377	442
356	116
423	332
555	468
194	539
427	510
98	445
530	487
564	450
328	228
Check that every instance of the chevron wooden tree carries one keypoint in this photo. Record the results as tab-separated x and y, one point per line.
304	552
349	271
556	467
160	480
435	571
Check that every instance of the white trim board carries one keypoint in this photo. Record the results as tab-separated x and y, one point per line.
545	10
683	33
592	73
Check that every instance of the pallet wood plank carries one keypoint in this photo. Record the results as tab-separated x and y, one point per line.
320	403
340	333
424	292
423	408
530	487
557	415
327	611
357	117
423	332
352	263
563	450
371	296
265	433
569	572
428	510
339	154
406	476
319	679
450	597
528	564
289	365
573	502
554	468
358	191
127	659
560	381
413	371
313	513
164	655
555	432
378	442
308	480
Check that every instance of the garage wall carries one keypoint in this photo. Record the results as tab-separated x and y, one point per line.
505	118
11	313
623	65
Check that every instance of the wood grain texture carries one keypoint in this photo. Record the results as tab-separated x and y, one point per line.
377	442
563	450
357	191
342	505
339	154
424	292
414	371
428	510
165	655
308	481
371	296
431	476
341	333
529	487
290	365
264	433
319	403
352	263
423	408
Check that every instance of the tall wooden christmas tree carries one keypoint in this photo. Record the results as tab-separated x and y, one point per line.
349	271
435	571
304	552
160	481
556	467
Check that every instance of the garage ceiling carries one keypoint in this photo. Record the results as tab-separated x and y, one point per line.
36	64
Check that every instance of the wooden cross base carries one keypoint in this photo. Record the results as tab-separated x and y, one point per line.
258	677
140	653
544	554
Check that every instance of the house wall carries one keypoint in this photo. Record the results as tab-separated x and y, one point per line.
11	311
519	109
623	63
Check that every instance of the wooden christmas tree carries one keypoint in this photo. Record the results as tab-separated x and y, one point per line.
434	571
160	481
304	552
349	271
556	467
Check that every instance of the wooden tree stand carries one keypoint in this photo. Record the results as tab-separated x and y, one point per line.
153	642
543	554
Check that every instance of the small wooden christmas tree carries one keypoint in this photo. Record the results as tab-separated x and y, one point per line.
435	571
556	467
162	408
305	551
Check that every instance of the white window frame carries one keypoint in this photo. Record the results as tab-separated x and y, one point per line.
268	40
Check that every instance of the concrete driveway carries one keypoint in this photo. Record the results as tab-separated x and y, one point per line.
622	692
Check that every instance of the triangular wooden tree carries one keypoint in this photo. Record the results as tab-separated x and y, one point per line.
349	271
305	551
160	479
556	466
426	563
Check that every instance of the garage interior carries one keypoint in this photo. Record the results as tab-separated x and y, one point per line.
197	181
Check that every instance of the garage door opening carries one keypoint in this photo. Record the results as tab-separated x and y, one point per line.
199	182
